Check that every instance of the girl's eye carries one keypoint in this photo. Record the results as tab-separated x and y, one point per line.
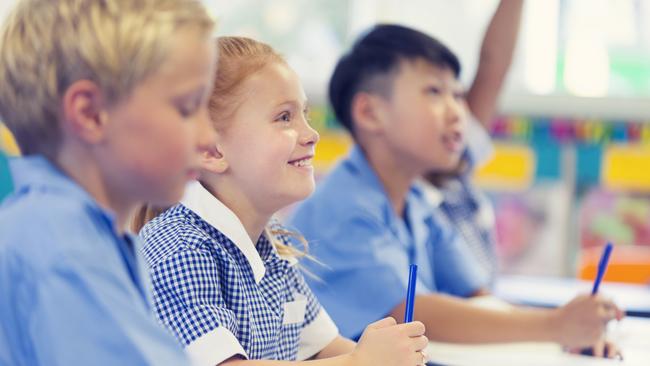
459	96
284	117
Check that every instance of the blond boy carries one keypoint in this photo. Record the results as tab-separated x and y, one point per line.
107	101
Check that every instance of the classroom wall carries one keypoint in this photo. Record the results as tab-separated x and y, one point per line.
575	125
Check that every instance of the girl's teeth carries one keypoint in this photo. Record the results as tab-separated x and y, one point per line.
301	163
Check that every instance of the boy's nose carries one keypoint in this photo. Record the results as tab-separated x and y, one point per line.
455	110
206	135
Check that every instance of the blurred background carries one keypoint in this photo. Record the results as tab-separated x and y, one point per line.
572	163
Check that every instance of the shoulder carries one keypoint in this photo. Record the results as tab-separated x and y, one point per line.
45	228
342	197
174	232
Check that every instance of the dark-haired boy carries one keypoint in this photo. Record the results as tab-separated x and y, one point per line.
397	92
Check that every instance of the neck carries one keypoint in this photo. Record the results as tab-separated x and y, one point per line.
77	164
250	216
394	176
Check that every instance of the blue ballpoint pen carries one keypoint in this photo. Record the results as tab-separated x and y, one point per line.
602	267
410	294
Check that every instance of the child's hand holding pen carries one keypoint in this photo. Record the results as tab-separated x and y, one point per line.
582	322
589	315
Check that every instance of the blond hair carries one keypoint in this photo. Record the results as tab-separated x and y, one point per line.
239	58
46	45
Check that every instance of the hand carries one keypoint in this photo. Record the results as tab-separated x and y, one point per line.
602	348
581	323
387	343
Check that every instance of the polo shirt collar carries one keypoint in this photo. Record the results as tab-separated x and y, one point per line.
37	172
416	210
214	212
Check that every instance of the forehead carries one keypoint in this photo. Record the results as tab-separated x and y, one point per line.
274	84
190	56
422	71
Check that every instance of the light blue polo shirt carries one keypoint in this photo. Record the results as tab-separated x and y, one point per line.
72	290
365	249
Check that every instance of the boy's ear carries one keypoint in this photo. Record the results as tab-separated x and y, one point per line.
84	113
214	161
367	111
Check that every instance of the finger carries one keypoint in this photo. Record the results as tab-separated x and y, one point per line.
419	343
619	355
607	314
599	349
383	323
606	302
612	351
425	357
418	358
412	329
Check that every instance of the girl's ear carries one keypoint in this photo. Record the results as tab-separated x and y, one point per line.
214	160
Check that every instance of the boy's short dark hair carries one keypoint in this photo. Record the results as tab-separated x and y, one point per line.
374	57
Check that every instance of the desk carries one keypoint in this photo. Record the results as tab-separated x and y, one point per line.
552	292
632	335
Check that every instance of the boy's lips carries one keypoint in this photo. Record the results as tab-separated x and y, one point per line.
454	141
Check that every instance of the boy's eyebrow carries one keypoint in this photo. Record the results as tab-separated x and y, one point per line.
198	92
434	80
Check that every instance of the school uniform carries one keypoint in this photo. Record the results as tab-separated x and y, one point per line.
365	248
460	206
223	295
73	291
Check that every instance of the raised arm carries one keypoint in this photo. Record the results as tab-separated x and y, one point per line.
496	56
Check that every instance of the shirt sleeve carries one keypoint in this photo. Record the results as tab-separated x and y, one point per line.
457	271
188	300
319	329
87	316
479	144
361	277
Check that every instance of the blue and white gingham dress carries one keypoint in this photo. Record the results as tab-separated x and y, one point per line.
221	298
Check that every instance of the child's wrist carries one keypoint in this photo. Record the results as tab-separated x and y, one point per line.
352	359
553	325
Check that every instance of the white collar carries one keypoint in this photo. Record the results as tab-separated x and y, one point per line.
214	212
432	194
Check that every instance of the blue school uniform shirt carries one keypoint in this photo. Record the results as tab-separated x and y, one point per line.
365	248
222	295
461	207
72	290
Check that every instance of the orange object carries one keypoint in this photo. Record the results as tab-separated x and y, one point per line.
629	264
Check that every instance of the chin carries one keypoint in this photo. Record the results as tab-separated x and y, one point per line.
169	198
446	167
302	193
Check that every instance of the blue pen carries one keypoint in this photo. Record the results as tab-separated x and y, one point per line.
602	267
410	293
